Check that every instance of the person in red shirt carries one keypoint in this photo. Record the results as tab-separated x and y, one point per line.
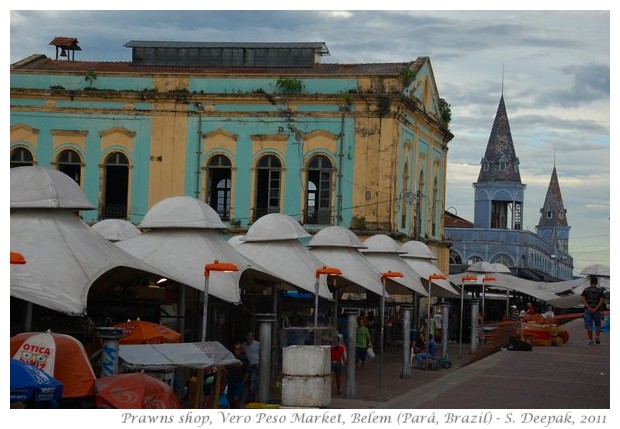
339	359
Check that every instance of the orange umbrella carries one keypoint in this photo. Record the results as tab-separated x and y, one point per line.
17	258
134	391
61	356
143	332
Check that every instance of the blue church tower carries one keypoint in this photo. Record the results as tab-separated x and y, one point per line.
499	191
497	233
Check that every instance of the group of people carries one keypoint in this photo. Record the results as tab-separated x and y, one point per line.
244	377
240	381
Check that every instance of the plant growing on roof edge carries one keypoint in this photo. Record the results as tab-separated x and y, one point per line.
90	77
358	222
446	111
289	85
407	75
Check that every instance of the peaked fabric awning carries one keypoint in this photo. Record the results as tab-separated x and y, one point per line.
65	259
289	260
358	274
181	255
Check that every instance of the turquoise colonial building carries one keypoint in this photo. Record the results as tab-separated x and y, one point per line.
497	233
250	128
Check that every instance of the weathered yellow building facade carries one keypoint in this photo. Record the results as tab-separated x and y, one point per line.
249	128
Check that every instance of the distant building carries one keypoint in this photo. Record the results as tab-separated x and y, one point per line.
249	128
497	234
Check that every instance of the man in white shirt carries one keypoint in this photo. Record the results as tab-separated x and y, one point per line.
252	347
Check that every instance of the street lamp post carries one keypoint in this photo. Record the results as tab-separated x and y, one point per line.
428	309
226	267
384	277
328	271
463	280
484	280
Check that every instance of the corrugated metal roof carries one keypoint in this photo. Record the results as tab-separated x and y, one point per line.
321	46
42	63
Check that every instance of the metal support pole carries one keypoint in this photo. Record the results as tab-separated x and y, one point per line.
316	310
352	315
406	365
109	350
264	356
461	315
474	325
381	334
445	319
181	310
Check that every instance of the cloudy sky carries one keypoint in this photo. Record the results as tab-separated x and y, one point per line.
554	66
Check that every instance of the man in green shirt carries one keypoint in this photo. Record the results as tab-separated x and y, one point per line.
362	343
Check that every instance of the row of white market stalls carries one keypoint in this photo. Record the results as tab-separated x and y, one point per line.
64	259
182	234
68	260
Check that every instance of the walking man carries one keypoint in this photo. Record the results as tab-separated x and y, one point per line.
592	298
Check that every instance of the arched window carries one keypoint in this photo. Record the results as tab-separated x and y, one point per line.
69	162
504	259
319	191
219	185
268	177
21	157
116	179
473	259
455	258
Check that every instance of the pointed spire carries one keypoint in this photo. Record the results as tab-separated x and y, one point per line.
500	163
553	213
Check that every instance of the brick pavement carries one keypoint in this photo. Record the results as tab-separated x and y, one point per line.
571	376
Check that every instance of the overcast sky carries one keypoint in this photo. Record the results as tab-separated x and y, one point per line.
554	65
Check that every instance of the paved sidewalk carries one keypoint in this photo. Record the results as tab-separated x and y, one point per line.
571	376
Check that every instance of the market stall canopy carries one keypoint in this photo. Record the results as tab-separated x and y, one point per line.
155	357
501	279
116	229
273	242
384	253
66	258
568	292
598	270
182	235
44	188
419	258
337	246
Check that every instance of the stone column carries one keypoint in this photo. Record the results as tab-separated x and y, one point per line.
474	325
406	365
109	350
264	355
445	320
352	315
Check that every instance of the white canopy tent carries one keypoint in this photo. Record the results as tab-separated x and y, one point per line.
116	229
419	258
273	242
384	253
569	291
182	235
503	280
337	246
65	257
157	357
